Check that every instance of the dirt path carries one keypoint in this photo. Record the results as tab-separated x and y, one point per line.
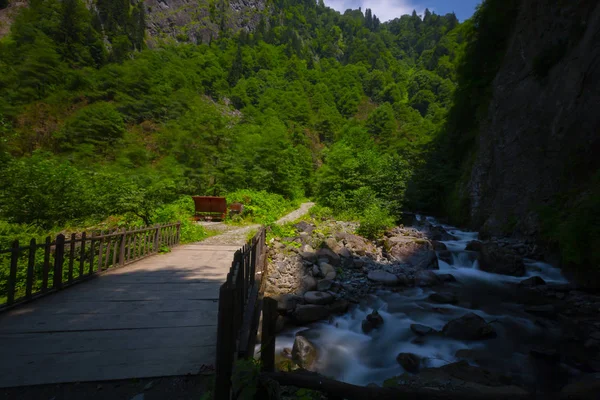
237	236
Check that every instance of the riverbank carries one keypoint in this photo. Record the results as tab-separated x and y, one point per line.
428	302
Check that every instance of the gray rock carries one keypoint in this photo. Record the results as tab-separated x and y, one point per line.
532	282
383	277
546	310
316	271
331	257
139	396
474	245
345	253
287	303
428	260
500	260
304	353
332	244
469	327
373	321
324	285
280	323
446	277
409	361
445	256
309	256
438	246
304	226
422	330
308	283
338	307
305	314
326	269
443	298
319	298
331	275
426	278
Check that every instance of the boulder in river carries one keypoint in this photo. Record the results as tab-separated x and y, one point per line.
409	361
469	327
546	310
327	270
319	298
324	284
443	298
500	260
439	233
305	314
308	283
427	260
287	303
332	244
426	278
309	256
422	330
384	278
532	282
446	277
438	246
304	353
373	321
445	256
474	245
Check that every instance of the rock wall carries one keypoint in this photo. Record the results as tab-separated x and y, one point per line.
542	134
196	21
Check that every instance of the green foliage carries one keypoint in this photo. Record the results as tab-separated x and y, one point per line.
374	222
261	207
181	210
98	123
572	224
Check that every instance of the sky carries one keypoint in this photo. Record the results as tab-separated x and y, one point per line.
390	9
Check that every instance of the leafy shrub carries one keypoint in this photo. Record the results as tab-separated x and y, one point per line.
97	123
181	210
261	207
374	222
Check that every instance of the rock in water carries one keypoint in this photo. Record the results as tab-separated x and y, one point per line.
304	353
474	245
319	298
546	310
443	298
532	282
499	260
409	361
422	330
383	277
310	313
426	278
469	327
373	321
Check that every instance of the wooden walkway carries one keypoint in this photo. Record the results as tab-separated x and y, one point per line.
156	317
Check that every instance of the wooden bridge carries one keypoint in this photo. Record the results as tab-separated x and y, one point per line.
155	317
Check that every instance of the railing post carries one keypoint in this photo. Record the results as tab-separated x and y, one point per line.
82	255
225	344
72	256
122	249
157	238
59	256
178	232
12	275
30	265
46	267
267	353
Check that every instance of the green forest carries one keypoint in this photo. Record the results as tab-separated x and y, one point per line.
339	108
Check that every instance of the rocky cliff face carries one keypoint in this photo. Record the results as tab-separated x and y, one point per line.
542	134
197	21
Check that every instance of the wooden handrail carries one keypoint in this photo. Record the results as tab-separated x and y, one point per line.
77	258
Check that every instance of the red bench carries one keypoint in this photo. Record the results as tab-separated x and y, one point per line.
210	208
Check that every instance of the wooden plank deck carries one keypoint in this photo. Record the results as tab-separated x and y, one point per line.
156	317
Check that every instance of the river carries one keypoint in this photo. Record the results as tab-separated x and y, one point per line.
347	354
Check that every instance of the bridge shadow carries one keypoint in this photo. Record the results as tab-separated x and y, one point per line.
153	318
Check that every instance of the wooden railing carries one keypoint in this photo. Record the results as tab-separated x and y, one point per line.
240	305
37	269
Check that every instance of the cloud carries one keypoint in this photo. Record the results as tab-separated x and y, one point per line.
384	9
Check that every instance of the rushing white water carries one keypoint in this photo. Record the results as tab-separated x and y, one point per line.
349	355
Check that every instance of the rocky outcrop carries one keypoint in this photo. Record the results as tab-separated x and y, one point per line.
198	22
500	260
540	138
